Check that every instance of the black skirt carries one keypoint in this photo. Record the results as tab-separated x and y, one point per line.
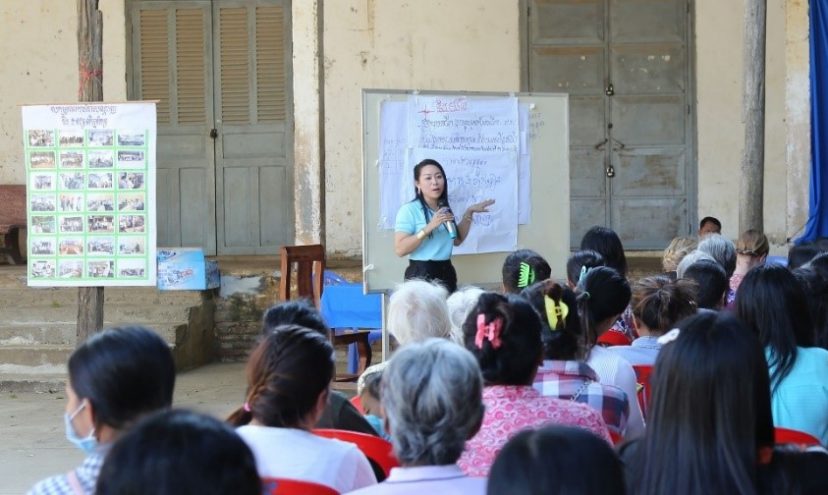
441	272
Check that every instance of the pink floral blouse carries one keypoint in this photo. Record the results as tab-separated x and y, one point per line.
510	409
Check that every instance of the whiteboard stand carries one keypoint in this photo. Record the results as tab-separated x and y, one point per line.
386	341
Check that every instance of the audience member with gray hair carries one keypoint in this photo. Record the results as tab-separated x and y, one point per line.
432	396
691	258
721	249
459	305
417	311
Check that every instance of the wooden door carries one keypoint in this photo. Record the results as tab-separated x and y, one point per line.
626	66
172	63
221	71
254	143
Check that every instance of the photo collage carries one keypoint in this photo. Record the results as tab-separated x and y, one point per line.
88	204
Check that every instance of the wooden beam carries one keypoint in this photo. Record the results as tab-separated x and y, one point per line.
90	88
751	182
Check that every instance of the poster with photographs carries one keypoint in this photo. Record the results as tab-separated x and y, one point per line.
90	171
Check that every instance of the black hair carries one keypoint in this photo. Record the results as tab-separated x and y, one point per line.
286	373
418	195
773	306
603	293
586	258
556	460
711	283
660	303
715	221
537	269
179	453
802	253
515	359
710	412
814	277
606	242
564	341
124	372
295	312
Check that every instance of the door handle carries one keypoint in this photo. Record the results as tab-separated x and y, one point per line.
620	145
600	146
610	171
610	90
213	133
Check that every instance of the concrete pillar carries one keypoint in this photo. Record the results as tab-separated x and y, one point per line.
308	115
797	115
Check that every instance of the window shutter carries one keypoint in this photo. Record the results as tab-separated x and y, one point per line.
235	87
155	56
190	66
270	64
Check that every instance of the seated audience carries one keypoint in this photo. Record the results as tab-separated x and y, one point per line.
459	305
180	453
711	284
564	374
801	254
606	242
711	429
115	377
370	399
817	294
417	311
431	394
658	304
602	296
773	306
556	460
691	258
288	377
339	413
723	251
678	248
579	263
752	250
709	225
523	268
505	337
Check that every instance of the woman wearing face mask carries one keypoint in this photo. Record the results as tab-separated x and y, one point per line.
115	378
426	229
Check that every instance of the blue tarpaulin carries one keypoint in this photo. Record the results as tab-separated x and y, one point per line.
817	225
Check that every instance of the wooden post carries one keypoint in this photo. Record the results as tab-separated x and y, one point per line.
751	186
90	88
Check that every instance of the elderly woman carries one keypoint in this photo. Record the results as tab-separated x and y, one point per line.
459	305
432	395
417	310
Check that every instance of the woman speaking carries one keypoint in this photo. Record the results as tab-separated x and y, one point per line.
426	229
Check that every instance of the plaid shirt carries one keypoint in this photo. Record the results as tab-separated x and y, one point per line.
87	475
565	379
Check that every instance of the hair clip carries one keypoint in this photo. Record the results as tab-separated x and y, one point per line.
583	274
526	275
488	331
669	336
246	407
555	312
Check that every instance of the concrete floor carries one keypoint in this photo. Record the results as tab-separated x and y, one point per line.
32	441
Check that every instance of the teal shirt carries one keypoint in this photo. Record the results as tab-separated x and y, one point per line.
801	399
410	220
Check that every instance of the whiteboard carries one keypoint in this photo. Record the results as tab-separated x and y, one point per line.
547	227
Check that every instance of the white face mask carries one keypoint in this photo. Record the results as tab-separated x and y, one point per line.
87	444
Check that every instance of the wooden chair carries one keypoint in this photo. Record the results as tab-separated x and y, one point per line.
284	486
310	268
786	435
375	448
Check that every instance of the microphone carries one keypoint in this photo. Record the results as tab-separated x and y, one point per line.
450	225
